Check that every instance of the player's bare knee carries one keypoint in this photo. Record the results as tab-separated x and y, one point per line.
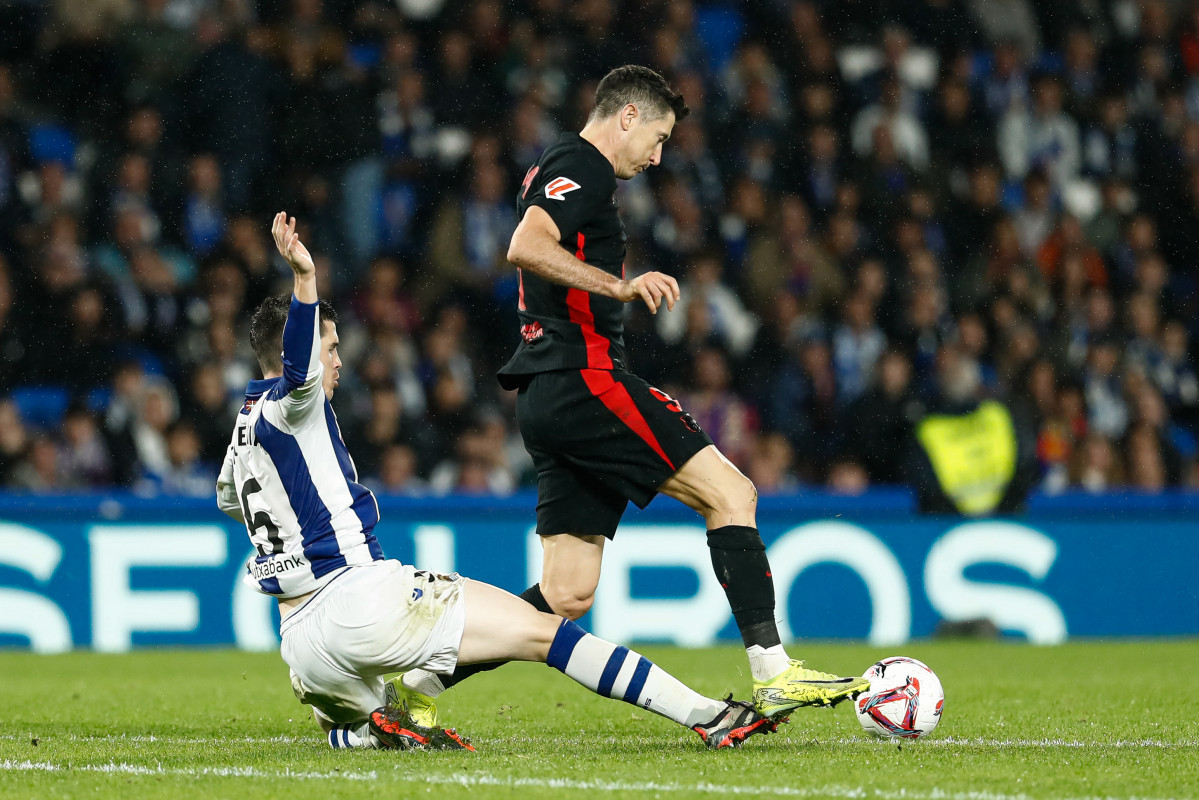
567	602
735	498
575	607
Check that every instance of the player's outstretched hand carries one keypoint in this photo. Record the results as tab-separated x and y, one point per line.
653	288
290	246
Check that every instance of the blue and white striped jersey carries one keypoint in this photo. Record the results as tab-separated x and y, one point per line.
288	476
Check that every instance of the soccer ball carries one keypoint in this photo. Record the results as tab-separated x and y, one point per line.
904	701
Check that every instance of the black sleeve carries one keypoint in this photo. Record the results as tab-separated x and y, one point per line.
570	189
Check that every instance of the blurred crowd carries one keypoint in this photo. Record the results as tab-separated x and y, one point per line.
878	209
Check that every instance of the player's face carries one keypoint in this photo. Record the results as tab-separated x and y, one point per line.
329	357
643	144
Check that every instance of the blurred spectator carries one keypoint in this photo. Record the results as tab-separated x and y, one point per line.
183	474
408	132
12	345
385	424
679	233
717	409
1145	462
957	136
802	403
15	158
730	323
14	439
1095	466
848	477
1108	414
1005	86
1110	146
469	243
203	206
769	465
397	473
907	135
479	466
1011	21
157	409
1173	372
463	97
1036	218
787	254
880	433
41	470
857	344
210	409
1043	136
1081	73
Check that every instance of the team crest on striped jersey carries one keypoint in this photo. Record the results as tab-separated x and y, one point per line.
558	187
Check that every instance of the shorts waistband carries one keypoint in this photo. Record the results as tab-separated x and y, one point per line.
312	602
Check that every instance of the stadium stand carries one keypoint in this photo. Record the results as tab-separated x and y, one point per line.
879	210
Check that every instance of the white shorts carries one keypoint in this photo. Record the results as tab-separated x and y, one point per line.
372	620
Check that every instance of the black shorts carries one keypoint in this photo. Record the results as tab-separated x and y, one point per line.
598	439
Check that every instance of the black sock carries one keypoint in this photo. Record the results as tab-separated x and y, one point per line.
533	597
739	559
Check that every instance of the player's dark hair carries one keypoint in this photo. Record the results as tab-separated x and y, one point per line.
266	329
642	87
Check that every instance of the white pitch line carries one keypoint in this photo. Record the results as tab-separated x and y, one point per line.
115	768
142	739
943	741
956	741
483	779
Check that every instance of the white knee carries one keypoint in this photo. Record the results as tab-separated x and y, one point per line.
732	498
568	602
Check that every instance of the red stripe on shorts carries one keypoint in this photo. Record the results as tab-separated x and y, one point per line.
616	398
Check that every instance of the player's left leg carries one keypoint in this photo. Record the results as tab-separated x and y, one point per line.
502	627
713	487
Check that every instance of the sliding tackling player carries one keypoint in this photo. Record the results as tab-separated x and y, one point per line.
349	616
599	435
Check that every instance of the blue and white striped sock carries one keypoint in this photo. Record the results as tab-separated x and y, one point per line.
352	735
623	674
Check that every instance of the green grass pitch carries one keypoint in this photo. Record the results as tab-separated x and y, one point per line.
1084	720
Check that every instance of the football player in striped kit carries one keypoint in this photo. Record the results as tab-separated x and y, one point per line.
351	616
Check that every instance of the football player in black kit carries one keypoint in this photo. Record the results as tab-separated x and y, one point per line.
599	435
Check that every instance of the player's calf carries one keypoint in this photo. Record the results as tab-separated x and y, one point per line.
622	674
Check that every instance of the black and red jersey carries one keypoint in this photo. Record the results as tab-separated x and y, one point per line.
564	328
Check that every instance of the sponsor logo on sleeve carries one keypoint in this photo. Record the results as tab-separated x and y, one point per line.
558	187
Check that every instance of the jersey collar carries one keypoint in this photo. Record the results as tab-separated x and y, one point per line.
256	388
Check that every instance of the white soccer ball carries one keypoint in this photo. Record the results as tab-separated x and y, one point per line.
904	701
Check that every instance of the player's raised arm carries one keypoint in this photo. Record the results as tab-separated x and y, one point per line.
535	246
301	334
297	255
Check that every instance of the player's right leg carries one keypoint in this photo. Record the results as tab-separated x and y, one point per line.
502	627
713	487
